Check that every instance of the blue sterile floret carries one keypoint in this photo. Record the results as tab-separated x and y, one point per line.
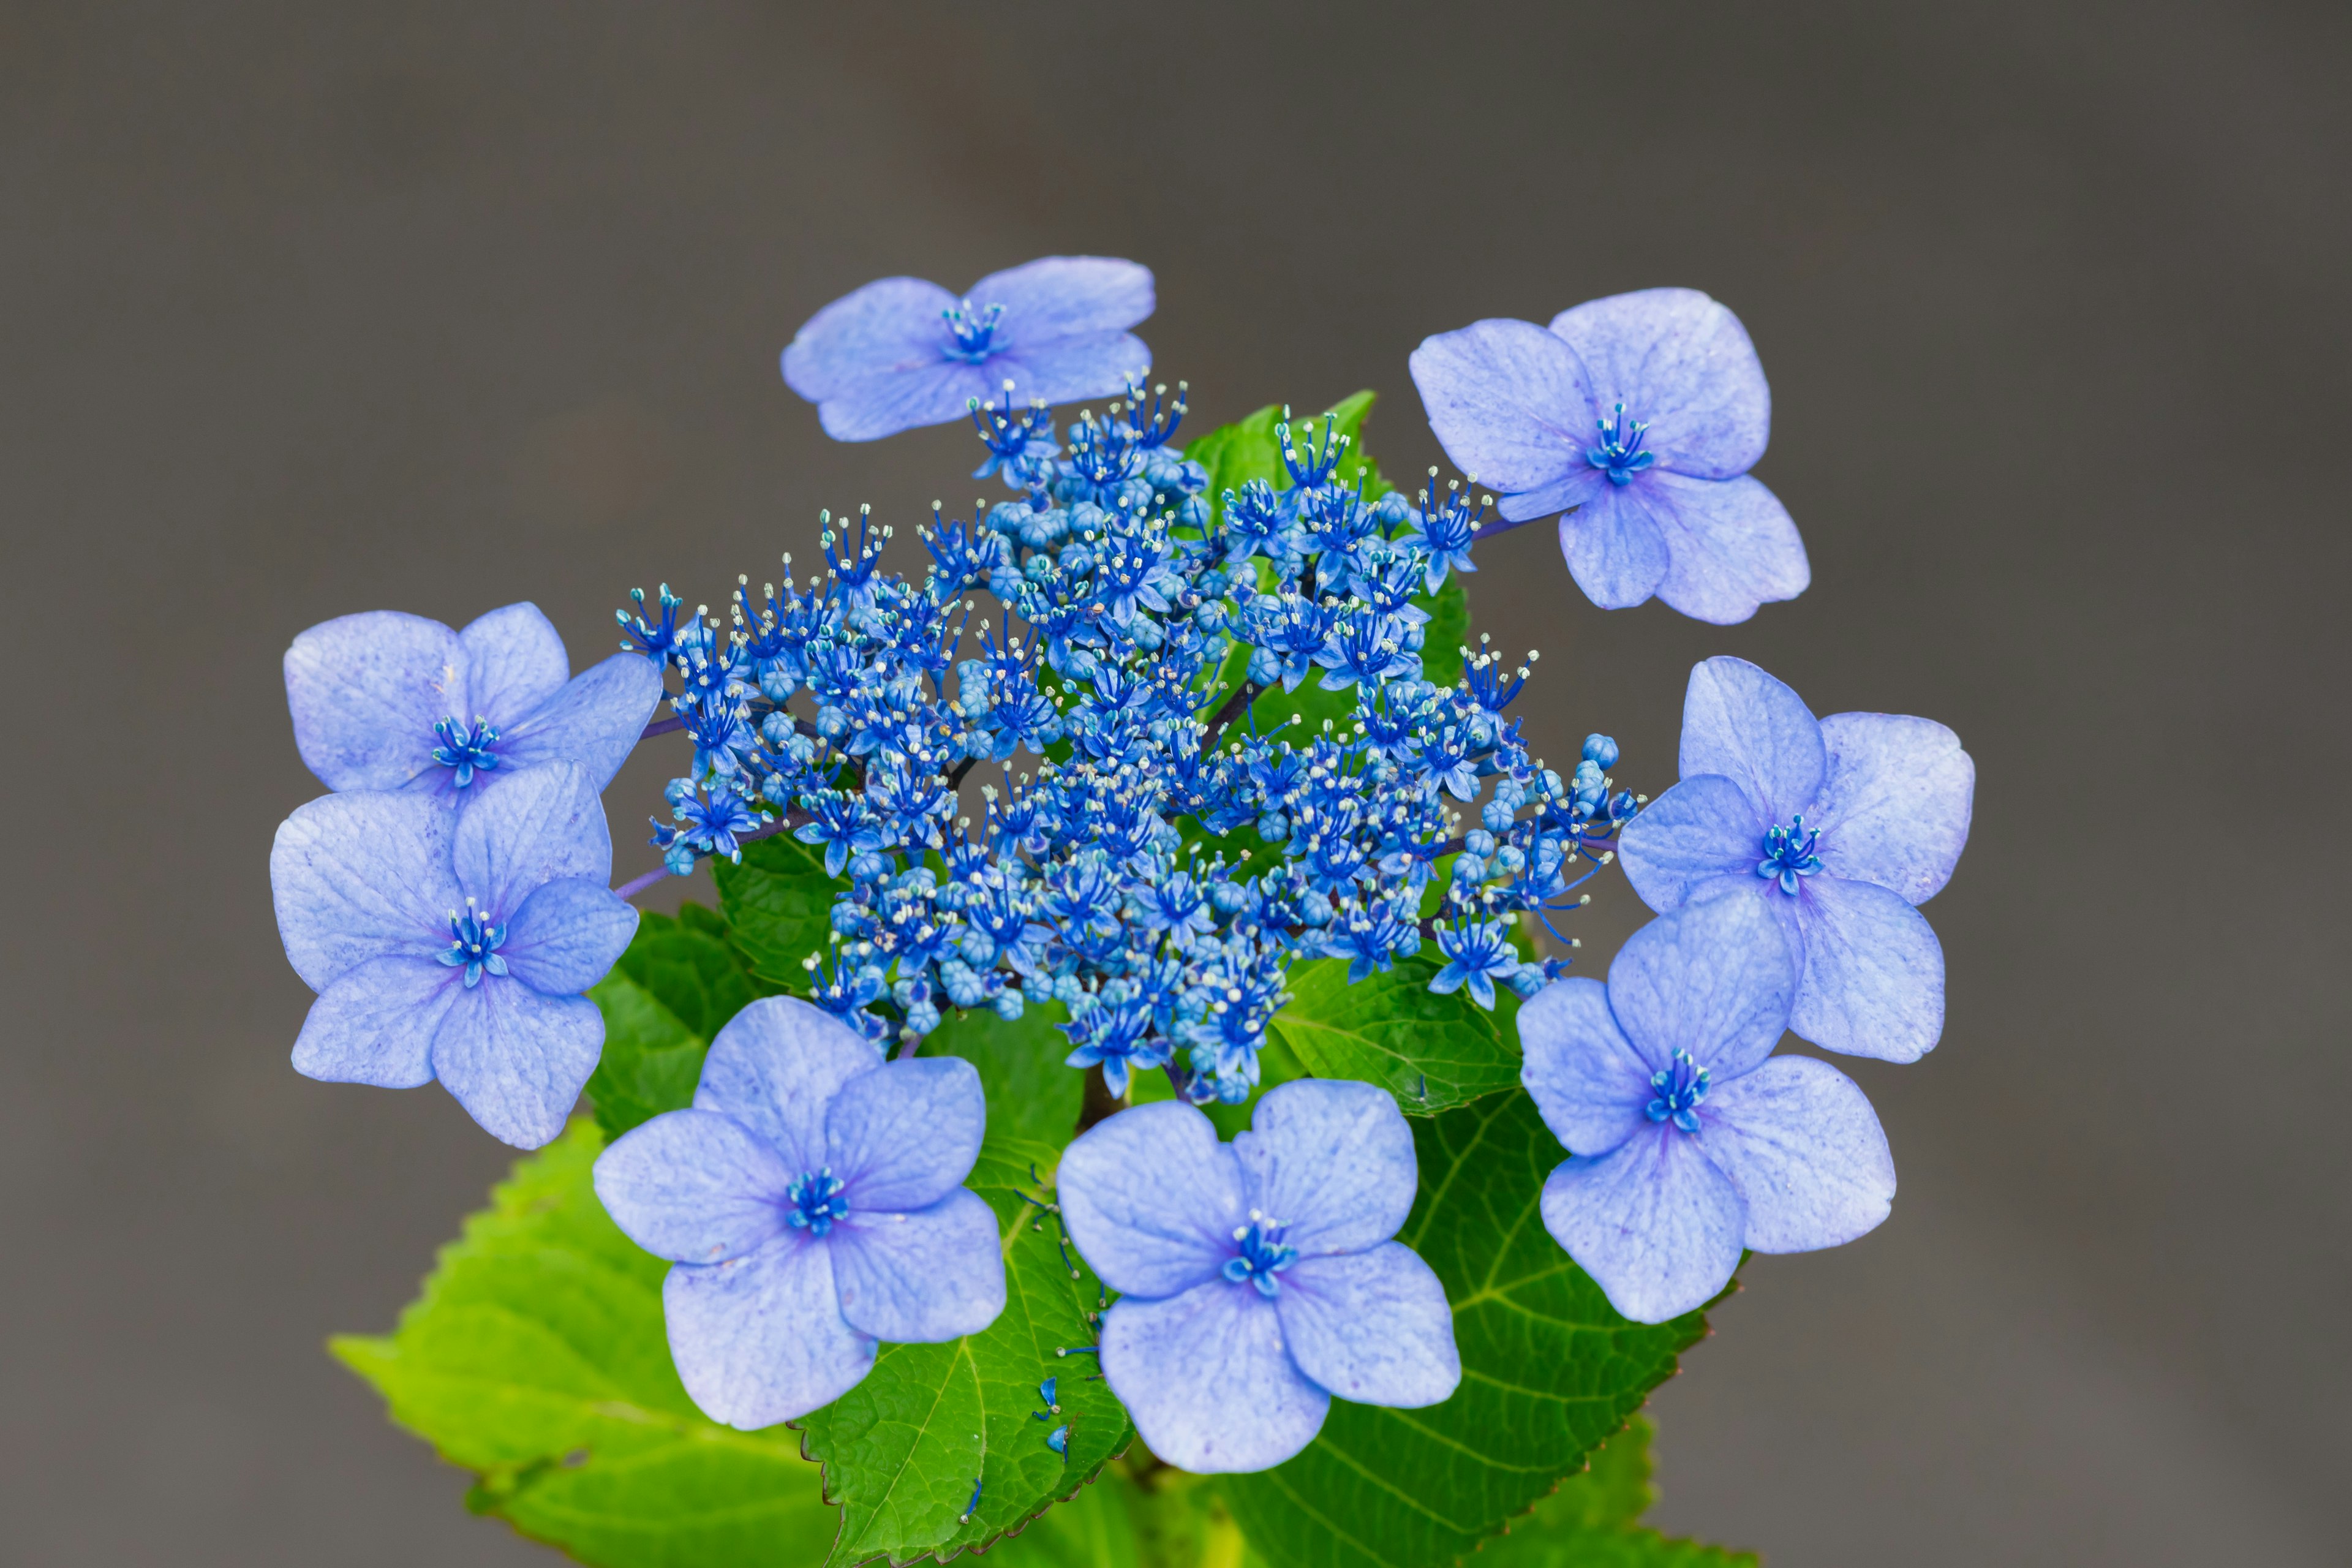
1158	856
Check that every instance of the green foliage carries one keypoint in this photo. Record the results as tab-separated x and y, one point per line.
1550	1370
536	1358
1593	1521
778	906
1136	1515
902	1449
1431	1052
1031	1096
677	983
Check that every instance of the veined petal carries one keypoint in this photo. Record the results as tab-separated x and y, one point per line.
1057	297
516	1060
1511	403
1152	1198
1699	831
1714	978
1683	364
893	323
933	393
365	691
1065	370
905	1135
776	1066
920	1276
1614	550
1588	1082
1331	1161
1653	1220
1801	1143
567	935
1207	1380
1896	809
1371	1326
595	720
1733	546
538	825
1755	731
761	1339
514	662
1874	975
694	1186
359	876
375	1024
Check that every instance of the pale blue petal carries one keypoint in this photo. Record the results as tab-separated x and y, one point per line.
1058	297
375	1024
776	1066
893	323
1371	1326
761	1339
1331	1161
1741	722
1700	831
514	662
355	877
1733	546
1682	364
1089	364
1714	978
595	720
1614	550
567	936
538	825
694	1186
1152	1198
1654	1222
1207	1381
1873	975
1896	810
365	691
517	1060
920	1277
938	392
1804	1149
1588	1082
1510	403
903	1135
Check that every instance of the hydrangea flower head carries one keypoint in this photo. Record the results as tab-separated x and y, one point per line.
1638	415
1689	1140
454	946
1839	826
811	1204
1257	1277
386	700
902	352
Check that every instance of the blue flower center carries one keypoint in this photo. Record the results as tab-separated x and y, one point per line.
465	749
1789	853
1681	1085
815	1202
1620	451
474	944
972	330
1263	1255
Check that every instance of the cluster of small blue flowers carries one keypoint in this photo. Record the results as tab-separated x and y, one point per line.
1113	878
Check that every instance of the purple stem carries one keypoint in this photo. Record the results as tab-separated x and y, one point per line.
636	885
1488	531
662	727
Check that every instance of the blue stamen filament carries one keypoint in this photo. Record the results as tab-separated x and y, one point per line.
465	749
1262	1254
815	1202
474	943
973	329
1789	853
1620	451
1681	1086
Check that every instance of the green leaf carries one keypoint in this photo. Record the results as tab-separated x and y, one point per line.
902	1449
1166	1520
1593	1521
1550	1370
536	1358
1431	1052
1448	631
675	986
779	908
1033	1098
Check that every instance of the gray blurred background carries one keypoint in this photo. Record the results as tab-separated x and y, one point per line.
309	310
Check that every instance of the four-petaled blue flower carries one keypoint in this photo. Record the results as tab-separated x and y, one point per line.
1688	1143
454	946
1257	1279
810	1203
902	352
385	700
1639	415
1477	953
1838	825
